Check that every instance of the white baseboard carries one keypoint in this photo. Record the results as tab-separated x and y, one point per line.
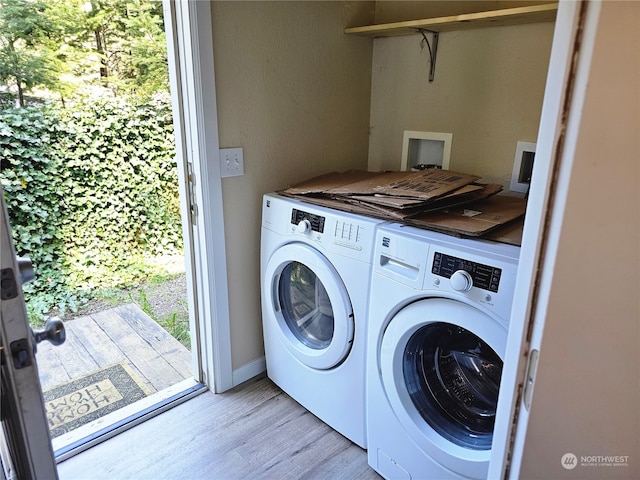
249	370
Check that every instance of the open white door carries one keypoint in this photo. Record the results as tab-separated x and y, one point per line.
25	443
568	84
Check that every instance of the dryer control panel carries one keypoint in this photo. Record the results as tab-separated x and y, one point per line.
339	233
316	222
348	234
345	233
482	276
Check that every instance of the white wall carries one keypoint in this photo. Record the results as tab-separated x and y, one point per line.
488	91
587	391
294	92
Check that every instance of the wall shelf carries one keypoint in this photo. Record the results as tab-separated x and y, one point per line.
494	18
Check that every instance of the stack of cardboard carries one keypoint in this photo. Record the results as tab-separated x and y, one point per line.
441	200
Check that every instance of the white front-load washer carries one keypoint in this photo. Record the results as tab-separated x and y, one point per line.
438	325
315	272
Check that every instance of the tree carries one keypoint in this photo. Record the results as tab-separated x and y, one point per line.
129	37
147	46
62	45
27	55
40	44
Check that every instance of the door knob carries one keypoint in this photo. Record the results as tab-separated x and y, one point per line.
25	267
53	332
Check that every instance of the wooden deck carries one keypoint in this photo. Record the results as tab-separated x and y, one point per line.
120	335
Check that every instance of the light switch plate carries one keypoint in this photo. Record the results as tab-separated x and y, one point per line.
231	162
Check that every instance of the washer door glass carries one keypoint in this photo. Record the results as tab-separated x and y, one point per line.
306	306
453	380
440	366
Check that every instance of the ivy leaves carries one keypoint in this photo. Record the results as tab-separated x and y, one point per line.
92	194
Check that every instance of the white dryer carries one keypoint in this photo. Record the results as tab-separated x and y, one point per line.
315	271
438	325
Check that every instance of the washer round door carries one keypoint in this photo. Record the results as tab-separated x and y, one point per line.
310	306
441	364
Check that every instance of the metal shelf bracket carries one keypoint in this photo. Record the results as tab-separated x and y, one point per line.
433	49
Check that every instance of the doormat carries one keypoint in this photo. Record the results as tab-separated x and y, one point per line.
88	398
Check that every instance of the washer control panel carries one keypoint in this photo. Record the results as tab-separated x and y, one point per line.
307	222
465	274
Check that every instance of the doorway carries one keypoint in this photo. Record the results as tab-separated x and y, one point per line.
190	58
205	268
190	61
109	196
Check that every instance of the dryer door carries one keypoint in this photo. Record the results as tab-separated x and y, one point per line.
441	363
310	306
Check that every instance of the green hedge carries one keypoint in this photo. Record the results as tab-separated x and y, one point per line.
92	194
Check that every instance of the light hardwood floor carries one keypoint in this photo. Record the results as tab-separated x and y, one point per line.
255	431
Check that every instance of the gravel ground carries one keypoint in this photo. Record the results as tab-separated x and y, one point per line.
168	297
164	299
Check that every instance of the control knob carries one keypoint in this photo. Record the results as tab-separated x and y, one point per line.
461	281
304	226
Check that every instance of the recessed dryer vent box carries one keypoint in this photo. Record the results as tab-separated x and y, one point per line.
522	167
425	150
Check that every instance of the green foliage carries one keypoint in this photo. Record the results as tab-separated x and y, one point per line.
69	47
32	36
137	53
92	195
176	323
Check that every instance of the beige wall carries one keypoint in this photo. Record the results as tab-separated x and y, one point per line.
294	92
587	392
488	91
